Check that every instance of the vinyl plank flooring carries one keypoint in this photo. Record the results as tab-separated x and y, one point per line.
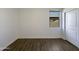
41	45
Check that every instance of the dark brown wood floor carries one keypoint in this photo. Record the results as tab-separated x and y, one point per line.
41	45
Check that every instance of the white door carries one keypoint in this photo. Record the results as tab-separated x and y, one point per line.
71	26
78	27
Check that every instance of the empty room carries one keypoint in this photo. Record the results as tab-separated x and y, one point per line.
39	29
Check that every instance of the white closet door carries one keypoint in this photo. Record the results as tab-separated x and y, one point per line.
71	30
78	27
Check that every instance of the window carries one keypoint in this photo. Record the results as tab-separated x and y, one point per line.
54	18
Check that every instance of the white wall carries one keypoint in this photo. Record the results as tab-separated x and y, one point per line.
8	26
35	24
25	23
63	25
